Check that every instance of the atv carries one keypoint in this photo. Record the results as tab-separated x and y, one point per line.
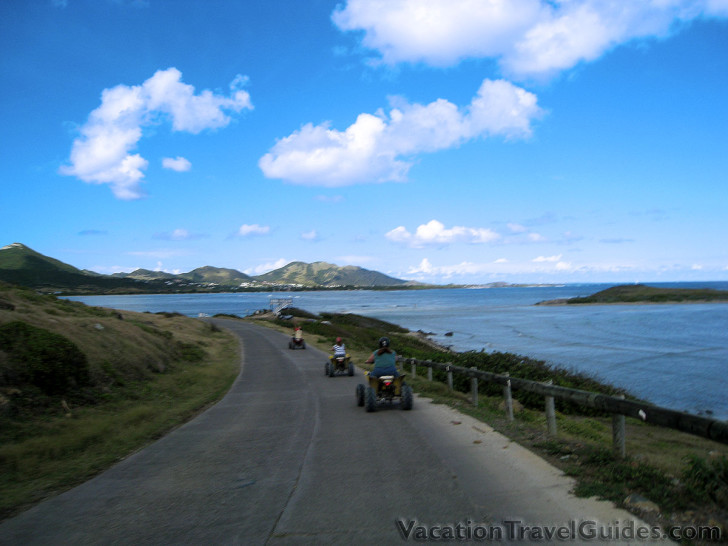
384	390
339	365
296	343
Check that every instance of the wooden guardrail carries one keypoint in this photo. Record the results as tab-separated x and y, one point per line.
616	405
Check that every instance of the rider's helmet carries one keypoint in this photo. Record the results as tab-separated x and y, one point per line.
384	342
338	340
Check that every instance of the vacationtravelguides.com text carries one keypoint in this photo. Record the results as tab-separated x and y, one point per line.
517	531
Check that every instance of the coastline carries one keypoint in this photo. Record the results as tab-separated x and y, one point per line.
567	301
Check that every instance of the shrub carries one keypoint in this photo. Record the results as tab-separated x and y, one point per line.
708	478
41	358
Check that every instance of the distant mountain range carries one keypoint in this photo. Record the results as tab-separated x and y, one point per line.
25	267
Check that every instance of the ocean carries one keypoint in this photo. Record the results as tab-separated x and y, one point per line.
673	355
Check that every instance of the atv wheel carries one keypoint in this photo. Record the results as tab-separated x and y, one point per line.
303	345
360	395
290	345
370	399
407	397
351	369
332	370
327	369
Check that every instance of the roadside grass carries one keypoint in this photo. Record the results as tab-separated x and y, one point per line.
149	374
686	476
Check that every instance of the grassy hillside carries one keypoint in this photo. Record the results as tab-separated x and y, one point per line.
81	387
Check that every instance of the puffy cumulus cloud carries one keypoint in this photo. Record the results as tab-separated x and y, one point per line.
378	148
179	164
253	229
102	154
434	233
529	38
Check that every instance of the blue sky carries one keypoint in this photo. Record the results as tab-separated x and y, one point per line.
463	141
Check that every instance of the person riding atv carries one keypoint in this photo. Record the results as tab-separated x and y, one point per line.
385	382
384	360
296	341
340	361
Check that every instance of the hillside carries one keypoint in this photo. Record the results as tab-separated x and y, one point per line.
81	387
329	275
23	266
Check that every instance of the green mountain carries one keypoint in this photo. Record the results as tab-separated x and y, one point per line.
217	275
25	267
144	275
328	275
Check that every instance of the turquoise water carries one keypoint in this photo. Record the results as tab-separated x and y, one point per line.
674	355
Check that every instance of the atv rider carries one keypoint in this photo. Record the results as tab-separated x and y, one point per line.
384	360
298	334
339	348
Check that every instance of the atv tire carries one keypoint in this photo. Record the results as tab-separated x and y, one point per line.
370	399
360	395
407	397
351	369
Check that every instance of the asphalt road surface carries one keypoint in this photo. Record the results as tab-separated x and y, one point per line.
287	457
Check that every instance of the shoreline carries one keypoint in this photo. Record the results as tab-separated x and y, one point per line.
567	301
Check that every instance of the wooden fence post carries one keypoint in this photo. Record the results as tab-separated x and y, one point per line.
474	388
550	412
429	373
414	368
449	377
508	398
618	433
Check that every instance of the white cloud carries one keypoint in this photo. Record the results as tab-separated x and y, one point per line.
179	164
547	259
102	152
309	235
435	233
253	229
529	38
378	148
266	267
517	228
179	234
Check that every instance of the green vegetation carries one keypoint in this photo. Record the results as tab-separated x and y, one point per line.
40	358
639	293
82	387
685	475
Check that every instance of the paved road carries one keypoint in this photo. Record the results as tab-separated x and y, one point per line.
288	458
